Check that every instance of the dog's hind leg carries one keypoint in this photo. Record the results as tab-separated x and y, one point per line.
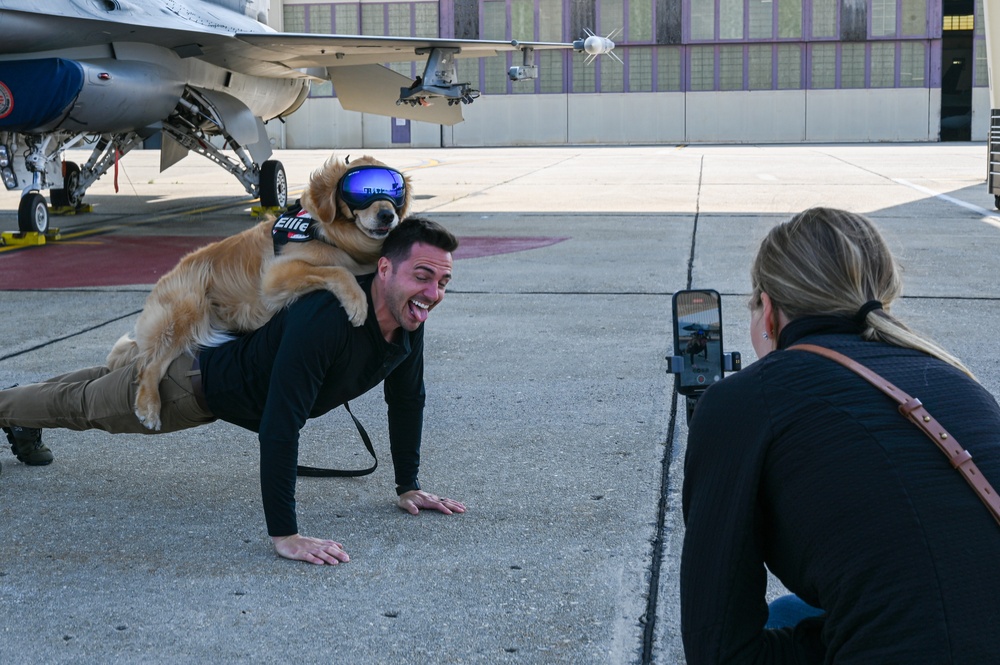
164	335
285	281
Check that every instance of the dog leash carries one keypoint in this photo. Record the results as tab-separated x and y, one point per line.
915	412
319	472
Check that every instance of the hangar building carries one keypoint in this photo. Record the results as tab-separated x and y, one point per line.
729	71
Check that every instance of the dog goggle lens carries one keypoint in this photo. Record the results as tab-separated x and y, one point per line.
363	185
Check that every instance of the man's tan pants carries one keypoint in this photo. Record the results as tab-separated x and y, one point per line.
98	398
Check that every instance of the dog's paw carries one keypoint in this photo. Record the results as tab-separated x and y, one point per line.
147	410
357	311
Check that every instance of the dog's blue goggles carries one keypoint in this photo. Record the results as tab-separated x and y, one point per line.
362	186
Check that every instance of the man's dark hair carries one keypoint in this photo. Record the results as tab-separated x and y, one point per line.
413	230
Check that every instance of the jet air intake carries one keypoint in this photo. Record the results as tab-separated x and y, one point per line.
92	97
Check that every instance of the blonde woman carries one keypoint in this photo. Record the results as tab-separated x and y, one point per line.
798	464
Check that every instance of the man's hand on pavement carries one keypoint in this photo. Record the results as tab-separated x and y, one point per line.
310	550
414	500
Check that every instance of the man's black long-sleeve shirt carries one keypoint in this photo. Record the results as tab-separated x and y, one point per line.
307	360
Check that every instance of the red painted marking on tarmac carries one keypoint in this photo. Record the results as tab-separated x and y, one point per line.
115	260
95	261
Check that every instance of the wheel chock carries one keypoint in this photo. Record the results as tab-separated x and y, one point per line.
30	239
258	212
71	210
22	239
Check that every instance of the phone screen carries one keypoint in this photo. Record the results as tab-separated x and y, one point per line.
698	338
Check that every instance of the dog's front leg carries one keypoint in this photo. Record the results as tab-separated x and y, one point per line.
284	282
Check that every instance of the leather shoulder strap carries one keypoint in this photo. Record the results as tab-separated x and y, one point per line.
912	408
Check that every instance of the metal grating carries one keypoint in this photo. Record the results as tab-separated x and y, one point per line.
993	173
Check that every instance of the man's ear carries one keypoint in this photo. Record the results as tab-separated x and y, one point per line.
384	267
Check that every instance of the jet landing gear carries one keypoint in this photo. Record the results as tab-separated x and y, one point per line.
32	223
33	213
68	196
273	185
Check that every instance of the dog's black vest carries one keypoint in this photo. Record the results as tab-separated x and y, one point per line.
294	225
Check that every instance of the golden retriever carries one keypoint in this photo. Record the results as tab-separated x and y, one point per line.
238	283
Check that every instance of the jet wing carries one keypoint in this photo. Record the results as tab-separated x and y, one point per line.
299	51
32	26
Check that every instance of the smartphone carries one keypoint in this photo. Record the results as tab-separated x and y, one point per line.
698	339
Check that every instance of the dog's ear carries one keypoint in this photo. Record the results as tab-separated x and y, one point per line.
320	197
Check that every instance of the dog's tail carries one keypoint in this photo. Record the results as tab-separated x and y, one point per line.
122	353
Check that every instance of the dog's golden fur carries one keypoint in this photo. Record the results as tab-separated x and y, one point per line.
237	284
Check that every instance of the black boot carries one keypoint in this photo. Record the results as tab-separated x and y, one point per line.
26	444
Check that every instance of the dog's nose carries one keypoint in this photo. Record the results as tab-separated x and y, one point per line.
386	217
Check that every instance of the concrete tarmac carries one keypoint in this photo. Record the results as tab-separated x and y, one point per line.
549	410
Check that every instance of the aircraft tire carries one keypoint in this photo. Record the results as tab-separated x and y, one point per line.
61	198
33	214
273	184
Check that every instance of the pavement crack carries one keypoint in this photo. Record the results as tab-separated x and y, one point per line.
648	619
69	336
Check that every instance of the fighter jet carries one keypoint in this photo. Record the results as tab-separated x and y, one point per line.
205	75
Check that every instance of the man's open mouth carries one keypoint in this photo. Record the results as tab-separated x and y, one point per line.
419	310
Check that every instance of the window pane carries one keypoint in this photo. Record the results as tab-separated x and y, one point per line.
494	20
824	66
668	68
730	19
761	19
320	21
883	65
550	17
550	71
761	56
912	63
294	19
730	68
824	18
583	76
522	20
399	20
467	71
495	77
373	19
495	27
347	20
612	16
852	65
640	69
702	68
640	21
915	17
790	19
426	19
612	76
789	66
883	18
702	20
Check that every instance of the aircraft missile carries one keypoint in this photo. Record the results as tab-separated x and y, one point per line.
595	46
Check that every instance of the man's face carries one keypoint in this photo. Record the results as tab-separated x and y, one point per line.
414	286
